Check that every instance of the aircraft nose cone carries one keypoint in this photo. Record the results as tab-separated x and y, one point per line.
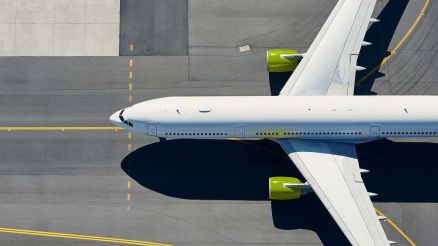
114	118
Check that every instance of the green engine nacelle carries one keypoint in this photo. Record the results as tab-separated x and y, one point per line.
286	188
277	62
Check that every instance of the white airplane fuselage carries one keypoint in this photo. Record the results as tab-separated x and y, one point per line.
337	118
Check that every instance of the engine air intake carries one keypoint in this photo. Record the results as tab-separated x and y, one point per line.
282	60
287	188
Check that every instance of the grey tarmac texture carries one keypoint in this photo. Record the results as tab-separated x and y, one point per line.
194	193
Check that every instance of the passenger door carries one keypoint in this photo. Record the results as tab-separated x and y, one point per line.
152	129
374	131
240	132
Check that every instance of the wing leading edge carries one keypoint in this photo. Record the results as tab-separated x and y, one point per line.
329	66
333	172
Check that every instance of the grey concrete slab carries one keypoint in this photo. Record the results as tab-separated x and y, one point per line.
60	28
154	27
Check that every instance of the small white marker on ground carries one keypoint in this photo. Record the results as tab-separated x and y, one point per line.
244	48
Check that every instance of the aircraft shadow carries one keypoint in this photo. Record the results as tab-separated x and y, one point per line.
379	34
229	170
239	170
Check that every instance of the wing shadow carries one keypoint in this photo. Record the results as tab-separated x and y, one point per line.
400	172
380	35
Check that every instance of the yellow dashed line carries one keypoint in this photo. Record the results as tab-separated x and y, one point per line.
129	147
130	86
128	197
79	237
60	128
131	48
129	98
129	184
129	135
130	74
396	227
399	44
130	62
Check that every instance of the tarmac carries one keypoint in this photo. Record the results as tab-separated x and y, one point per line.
114	184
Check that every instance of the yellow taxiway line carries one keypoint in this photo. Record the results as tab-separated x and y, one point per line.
391	223
80	237
398	45
60	128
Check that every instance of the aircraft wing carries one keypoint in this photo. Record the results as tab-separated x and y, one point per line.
333	172
329	66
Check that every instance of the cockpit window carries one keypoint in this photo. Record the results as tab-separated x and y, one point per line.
123	119
121	116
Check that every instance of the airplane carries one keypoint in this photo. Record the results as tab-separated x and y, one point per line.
316	119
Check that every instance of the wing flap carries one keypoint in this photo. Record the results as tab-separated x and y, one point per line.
332	171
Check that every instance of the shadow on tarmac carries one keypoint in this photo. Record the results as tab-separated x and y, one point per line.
379	34
239	170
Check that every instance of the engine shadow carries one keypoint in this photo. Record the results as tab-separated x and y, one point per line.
277	81
308	213
380	35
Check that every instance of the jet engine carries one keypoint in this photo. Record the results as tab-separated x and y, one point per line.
281	60
287	188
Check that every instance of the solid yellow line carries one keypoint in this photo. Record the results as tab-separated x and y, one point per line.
396	227
79	237
399	44
60	128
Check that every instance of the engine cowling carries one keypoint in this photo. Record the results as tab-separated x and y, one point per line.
277	63
287	188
